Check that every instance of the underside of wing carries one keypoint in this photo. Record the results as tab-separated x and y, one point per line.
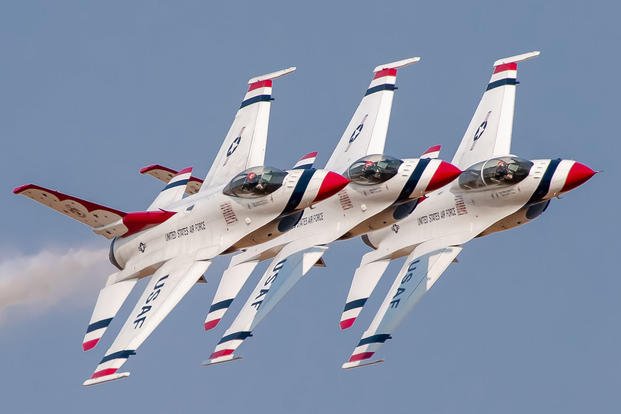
165	289
244	144
417	276
489	133
285	270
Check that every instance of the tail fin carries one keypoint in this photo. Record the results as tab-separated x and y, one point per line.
489	132
165	174
366	132
244	144
306	161
109	301
173	191
103	220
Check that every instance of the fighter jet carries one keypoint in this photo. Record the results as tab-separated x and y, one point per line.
176	238
382	190
497	191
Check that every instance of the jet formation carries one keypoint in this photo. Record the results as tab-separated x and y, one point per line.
423	208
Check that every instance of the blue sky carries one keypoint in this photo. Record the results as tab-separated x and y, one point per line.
528	320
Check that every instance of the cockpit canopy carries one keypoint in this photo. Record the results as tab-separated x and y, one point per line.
498	171
373	169
255	182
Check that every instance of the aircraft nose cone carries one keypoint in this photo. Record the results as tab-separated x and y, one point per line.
578	174
331	184
445	173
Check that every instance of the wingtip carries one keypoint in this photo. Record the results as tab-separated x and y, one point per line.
22	188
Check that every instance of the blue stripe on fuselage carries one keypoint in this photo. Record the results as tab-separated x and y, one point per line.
412	182
544	184
298	191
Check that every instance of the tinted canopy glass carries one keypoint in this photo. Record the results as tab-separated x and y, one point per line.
496	171
255	182
373	169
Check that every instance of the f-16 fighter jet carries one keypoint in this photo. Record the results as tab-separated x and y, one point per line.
174	240
383	189
496	192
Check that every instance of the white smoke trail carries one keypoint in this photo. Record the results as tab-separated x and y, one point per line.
36	282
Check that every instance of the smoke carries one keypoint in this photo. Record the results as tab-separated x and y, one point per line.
36	282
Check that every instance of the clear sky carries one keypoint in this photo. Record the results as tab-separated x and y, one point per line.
528	320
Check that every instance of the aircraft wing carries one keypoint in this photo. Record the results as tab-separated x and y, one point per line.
366	132
489	133
165	289
244	145
285	270
417	276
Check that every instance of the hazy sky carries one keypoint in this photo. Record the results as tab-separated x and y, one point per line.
527	321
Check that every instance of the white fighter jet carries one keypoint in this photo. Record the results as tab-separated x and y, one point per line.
497	191
382	190
174	240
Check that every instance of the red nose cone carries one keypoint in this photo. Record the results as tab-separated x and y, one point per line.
445	173
331	184
578	174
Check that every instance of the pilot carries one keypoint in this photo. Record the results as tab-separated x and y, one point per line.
369	170
502	171
251	181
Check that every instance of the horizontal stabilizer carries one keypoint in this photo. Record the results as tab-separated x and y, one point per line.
109	301
165	174
306	161
105	378
232	281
